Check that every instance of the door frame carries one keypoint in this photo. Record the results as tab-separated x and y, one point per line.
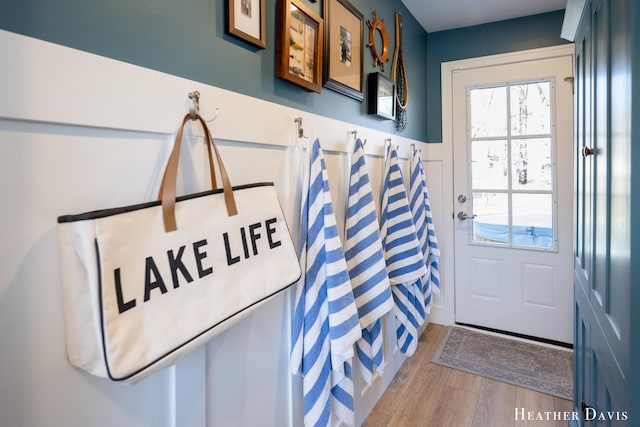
444	313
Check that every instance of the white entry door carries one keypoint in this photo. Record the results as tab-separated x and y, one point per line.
513	198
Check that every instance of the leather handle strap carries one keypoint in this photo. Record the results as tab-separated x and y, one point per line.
167	193
178	141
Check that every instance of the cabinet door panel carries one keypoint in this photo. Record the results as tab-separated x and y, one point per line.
598	381
583	166
610	278
603	209
618	313
600	158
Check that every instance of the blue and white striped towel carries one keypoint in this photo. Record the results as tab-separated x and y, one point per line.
325	324
433	260
367	268
423	221
403	255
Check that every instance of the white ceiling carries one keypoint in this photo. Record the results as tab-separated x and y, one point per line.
438	15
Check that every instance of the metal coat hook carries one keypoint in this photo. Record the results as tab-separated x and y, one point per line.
355	137
214	117
194	109
301	134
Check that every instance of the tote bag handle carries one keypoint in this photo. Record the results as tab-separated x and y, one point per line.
167	193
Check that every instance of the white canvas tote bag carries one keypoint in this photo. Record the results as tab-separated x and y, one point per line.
144	284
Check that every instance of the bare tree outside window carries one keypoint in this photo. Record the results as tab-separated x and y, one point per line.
512	164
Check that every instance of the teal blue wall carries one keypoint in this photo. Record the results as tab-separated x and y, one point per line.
500	37
187	38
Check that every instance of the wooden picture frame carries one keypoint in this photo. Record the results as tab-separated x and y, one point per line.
343	48
299	37
246	21
381	96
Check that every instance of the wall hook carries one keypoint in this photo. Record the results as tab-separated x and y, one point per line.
355	135
301	134
194	109
214	117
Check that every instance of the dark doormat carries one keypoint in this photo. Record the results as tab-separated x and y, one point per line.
539	368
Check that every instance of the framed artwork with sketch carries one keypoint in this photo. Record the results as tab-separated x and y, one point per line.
343	47
246	21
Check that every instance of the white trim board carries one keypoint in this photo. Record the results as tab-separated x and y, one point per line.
49	83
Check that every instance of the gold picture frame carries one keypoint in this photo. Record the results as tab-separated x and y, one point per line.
246	21
343	48
299	37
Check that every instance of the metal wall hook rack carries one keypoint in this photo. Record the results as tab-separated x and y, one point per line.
194	108
301	134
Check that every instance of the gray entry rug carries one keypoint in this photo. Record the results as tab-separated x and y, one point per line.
531	366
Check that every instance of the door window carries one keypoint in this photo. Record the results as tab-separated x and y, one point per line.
512	169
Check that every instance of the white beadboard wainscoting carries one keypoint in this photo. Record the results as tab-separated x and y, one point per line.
80	132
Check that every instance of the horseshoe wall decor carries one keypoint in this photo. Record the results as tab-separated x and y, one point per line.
378	25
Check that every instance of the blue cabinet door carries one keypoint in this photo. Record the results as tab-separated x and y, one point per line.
602	246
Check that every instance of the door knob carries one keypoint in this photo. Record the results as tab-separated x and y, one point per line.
588	151
463	216
462	198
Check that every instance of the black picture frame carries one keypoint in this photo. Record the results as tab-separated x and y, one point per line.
381	96
343	48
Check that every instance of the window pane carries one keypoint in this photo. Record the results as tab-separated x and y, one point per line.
531	164
488	112
530	108
489	165
533	220
492	217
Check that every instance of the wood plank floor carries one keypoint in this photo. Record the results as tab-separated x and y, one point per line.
424	394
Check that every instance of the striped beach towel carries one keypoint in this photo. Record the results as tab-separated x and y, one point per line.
423	221
366	264
325	324
403	255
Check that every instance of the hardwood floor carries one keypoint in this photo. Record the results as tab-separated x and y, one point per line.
424	394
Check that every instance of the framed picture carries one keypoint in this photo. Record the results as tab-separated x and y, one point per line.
381	94
299	35
343	47
246	21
